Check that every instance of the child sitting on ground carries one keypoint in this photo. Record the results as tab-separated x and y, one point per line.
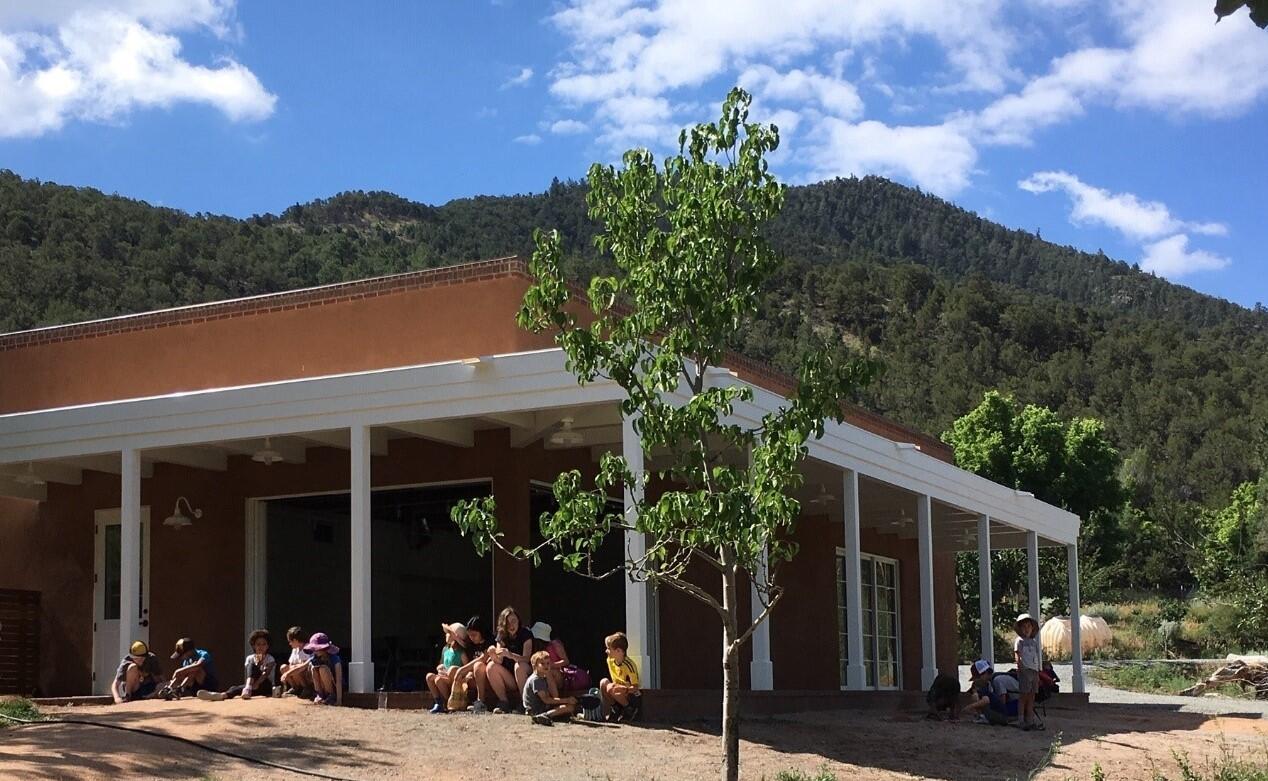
296	676
452	658
138	675
620	692
196	670
259	666
541	696
327	670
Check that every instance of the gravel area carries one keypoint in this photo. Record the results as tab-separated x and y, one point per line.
1214	705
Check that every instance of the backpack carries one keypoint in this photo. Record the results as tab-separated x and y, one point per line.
1047	685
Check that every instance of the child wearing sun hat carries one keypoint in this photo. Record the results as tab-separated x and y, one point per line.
1026	655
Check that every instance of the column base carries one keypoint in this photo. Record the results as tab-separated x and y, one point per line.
927	674
361	677
855	677
761	676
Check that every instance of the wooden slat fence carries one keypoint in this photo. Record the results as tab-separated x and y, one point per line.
19	641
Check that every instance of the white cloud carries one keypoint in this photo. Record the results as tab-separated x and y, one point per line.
1124	212
66	61
1138	220
804	87
936	157
519	80
566	127
528	139
1171	258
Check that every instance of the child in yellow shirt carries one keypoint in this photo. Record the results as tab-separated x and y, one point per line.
620	692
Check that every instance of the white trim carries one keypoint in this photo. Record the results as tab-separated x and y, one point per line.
455	389
103	678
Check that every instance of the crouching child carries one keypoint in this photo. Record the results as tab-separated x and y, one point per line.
620	692
138	675
541	695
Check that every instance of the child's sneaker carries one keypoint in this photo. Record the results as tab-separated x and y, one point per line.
479	707
277	692
503	707
210	696
439	708
615	713
543	720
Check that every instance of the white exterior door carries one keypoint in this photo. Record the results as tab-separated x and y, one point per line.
106	621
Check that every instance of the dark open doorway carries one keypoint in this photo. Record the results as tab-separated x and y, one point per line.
424	573
581	611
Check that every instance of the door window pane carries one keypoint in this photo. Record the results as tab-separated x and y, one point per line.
111	585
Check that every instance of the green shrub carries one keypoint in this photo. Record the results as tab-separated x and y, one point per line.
800	775
18	708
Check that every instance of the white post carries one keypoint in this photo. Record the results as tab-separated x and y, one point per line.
129	549
638	627
1076	636
761	669
361	667
855	673
985	595
924	535
1032	572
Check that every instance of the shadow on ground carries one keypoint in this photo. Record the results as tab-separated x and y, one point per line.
55	750
926	746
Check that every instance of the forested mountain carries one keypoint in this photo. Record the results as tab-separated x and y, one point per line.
953	304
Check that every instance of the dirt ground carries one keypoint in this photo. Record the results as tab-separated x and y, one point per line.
1127	742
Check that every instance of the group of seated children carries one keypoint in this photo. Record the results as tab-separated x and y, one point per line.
314	670
1006	696
520	669
525	669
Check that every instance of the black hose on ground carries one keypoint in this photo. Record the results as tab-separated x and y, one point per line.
178	739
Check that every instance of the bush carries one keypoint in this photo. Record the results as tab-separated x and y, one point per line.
800	775
18	708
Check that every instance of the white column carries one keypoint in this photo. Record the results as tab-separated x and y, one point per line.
1076	636
855	673
761	669
1032	572
985	595
638	603
361	667
928	646
129	549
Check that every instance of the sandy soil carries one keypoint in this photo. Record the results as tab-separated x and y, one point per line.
1127	742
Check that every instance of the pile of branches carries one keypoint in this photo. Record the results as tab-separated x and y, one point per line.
1246	674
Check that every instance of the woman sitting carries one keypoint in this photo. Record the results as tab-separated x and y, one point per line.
513	646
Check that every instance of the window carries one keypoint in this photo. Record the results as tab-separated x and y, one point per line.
882	638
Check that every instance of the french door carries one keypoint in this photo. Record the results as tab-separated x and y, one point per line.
106	618
882	635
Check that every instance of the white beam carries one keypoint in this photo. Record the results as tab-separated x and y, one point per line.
48	471
195	457
458	433
520	420
361	668
985	596
928	646
638	602
1076	633
855	672
129	548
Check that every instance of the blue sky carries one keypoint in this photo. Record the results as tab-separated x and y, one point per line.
1137	130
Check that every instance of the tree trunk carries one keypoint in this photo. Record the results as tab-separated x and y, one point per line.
730	681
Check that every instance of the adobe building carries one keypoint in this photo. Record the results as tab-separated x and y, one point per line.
291	459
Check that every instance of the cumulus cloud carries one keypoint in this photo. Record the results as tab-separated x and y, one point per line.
1172	258
567	127
1138	220
936	157
1124	212
520	79
99	61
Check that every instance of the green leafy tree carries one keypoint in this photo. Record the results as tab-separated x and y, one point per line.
691	263
1258	10
1069	464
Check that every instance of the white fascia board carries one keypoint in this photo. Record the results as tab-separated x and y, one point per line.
850	447
451	389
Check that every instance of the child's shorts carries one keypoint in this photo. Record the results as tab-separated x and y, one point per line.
1027	680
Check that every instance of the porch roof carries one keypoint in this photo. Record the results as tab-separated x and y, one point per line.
429	400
